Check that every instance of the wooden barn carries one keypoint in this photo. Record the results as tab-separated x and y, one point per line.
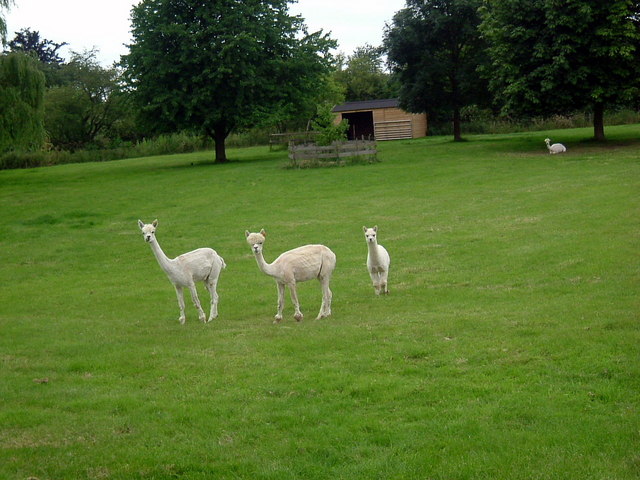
380	120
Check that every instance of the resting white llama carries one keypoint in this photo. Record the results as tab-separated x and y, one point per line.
297	265
201	265
555	148
378	260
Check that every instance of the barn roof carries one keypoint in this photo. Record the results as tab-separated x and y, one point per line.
367	105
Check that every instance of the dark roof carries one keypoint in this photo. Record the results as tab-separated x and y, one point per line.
367	105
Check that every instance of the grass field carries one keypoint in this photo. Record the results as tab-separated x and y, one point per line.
508	347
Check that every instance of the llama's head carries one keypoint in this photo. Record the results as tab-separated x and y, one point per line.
547	141
256	240
370	234
148	230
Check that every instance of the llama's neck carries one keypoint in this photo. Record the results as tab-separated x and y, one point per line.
165	262
373	252
267	268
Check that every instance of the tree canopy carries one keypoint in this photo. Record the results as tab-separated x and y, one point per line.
363	77
4	5
550	57
219	66
29	41
435	49
85	104
21	103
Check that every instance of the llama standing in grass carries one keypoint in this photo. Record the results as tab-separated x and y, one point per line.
297	265
555	148
378	260
201	265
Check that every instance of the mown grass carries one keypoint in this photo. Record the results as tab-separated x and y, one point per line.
507	349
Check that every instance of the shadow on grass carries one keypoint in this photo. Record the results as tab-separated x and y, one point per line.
231	162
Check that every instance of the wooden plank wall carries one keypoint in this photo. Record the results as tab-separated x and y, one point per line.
394	123
400	124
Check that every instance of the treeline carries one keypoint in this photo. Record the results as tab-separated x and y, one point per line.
205	74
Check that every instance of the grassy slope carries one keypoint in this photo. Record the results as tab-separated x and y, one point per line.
508	347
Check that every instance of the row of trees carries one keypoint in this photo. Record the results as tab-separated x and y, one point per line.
522	57
75	102
217	67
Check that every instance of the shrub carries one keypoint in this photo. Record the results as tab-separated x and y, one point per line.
328	131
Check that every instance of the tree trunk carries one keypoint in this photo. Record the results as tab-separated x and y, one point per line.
219	137
598	121
457	136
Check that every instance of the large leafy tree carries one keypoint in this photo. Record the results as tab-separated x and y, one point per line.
46	51
221	65
85	105
553	57
21	103
363	77
435	49
29	41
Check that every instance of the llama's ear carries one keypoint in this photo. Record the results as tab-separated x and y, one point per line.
140	224
246	233
263	233
364	229
375	228
155	223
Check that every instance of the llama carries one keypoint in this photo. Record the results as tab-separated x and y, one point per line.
378	260
201	265
555	148
297	265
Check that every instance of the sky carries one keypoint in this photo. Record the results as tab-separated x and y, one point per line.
105	24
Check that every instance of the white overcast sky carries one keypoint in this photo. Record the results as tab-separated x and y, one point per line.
105	25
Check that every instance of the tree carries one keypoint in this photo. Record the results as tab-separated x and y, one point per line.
220	66
550	57
328	130
435	49
85	104
21	103
363	76
4	5
46	51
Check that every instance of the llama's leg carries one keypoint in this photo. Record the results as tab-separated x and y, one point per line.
280	302
196	302
375	281
383	281
373	278
179	294
296	304
325	307
213	291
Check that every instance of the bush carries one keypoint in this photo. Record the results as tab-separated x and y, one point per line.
104	149
328	131
479	121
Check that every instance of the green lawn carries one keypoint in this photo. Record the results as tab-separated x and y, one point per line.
508	347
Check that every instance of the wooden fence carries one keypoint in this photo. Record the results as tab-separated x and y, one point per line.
334	153
285	139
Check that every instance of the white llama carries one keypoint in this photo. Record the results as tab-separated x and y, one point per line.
297	265
378	260
201	265
555	148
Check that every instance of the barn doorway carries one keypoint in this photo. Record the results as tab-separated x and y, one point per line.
360	125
